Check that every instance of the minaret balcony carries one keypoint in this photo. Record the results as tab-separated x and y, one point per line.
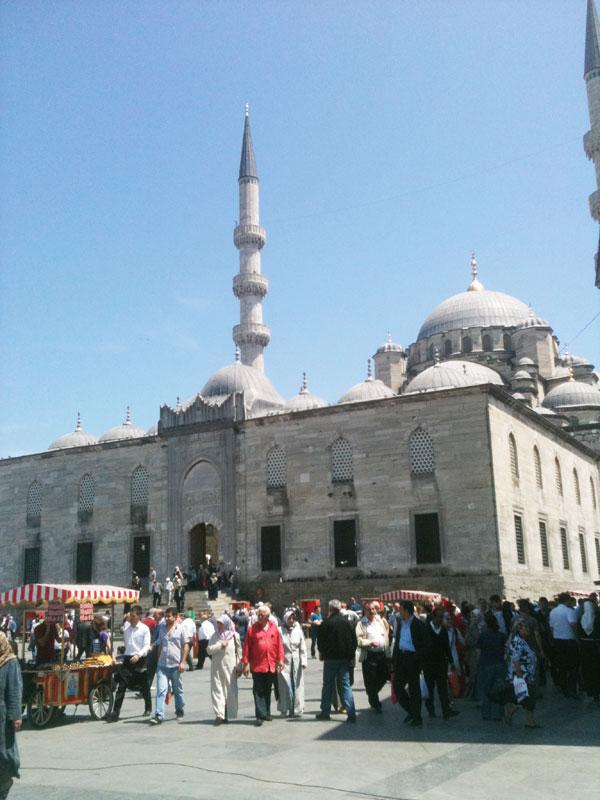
591	143
595	205
249	236
252	333
252	283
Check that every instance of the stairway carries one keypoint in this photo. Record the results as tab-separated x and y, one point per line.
197	599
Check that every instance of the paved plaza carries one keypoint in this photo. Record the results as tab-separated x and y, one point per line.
378	757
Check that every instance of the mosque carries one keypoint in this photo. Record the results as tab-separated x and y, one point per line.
466	462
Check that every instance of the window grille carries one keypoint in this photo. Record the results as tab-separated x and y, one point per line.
34	502
342	466
593	493
276	468
598	554
544	544
422	459
538	468
558	477
565	548
514	460
140	482
520	540
87	494
576	487
584	565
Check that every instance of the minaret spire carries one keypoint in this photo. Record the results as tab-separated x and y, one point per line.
591	140
249	286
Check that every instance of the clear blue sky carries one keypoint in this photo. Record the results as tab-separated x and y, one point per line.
392	139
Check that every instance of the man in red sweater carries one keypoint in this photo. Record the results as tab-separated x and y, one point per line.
263	657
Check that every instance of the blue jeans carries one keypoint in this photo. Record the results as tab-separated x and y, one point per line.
340	670
164	676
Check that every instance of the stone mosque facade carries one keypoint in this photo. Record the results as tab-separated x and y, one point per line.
466	463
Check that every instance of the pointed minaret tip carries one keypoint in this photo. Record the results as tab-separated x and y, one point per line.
247	160
592	40
78	425
475	285
128	417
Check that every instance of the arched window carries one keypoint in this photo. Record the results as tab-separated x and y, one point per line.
447	347
432	349
506	343
514	459
537	461
486	343
276	468
467	344
87	495
593	493
422	460
140	482
34	504
558	477
342	466
576	487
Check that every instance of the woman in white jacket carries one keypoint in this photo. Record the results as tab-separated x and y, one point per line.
291	678
225	650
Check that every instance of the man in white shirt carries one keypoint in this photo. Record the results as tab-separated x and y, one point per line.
205	631
132	673
563	624
373	636
189	626
173	648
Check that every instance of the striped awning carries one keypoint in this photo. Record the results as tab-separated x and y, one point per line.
36	594
411	594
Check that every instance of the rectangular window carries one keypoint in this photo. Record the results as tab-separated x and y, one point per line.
83	566
597	540
31	565
141	555
345	551
584	566
565	548
270	548
519	539
427	539
544	544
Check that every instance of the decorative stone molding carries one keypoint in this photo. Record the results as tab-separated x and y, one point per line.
252	333
595	205
249	236
250	284
591	143
202	518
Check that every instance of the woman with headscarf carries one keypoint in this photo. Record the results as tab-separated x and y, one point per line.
225	650
520	678
295	660
11	690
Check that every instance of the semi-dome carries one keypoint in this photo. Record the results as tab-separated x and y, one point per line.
452	375
125	431
572	393
76	438
369	389
305	400
522	375
261	396
475	308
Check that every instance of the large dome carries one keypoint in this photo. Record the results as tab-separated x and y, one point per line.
261	396
305	400
125	431
451	375
572	393
76	438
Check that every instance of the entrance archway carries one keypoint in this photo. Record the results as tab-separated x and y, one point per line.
204	541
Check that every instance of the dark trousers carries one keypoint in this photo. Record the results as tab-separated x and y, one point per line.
436	677
407	670
567	665
132	677
151	664
202	645
375	675
262	683
589	653
156	599
313	641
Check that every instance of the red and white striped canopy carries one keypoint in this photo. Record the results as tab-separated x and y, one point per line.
411	594
35	594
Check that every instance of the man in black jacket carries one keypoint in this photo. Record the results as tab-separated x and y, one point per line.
411	643
337	645
435	664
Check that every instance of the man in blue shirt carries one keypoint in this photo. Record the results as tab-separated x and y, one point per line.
410	646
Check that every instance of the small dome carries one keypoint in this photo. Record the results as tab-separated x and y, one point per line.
522	375
389	346
525	362
533	321
304	400
261	396
125	431
572	393
368	389
77	438
453	374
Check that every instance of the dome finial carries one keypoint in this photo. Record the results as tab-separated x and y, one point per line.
571	376
369	370
247	109
78	425
475	285
178	405
238	357
304	387
436	357
128	417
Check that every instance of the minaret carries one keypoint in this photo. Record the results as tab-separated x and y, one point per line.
591	140
249	286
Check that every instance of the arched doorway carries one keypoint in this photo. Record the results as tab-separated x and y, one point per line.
204	541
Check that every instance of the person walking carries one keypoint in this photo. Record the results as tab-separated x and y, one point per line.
11	691
156	589
315	619
436	659
563	624
337	649
520	678
188	623
132	672
588	631
372	634
410	644
295	660
263	657
491	644
173	646
225	650
169	589
206	629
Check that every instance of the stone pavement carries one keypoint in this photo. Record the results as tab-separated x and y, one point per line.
379	757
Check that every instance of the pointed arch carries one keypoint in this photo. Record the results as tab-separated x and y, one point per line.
593	493
140	487
422	456
576	487
514	457
486	343
342	461
537	461
276	468
558	477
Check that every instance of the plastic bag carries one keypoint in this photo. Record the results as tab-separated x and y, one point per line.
520	687
424	689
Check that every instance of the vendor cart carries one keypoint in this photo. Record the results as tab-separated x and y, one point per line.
411	594
49	688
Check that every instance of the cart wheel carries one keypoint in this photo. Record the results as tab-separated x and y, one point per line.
38	714
100	700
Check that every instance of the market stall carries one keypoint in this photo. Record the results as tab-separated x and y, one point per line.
411	594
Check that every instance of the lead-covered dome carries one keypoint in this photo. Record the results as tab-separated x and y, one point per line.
125	431
260	395
475	308
369	389
305	400
452	375
76	438
572	393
